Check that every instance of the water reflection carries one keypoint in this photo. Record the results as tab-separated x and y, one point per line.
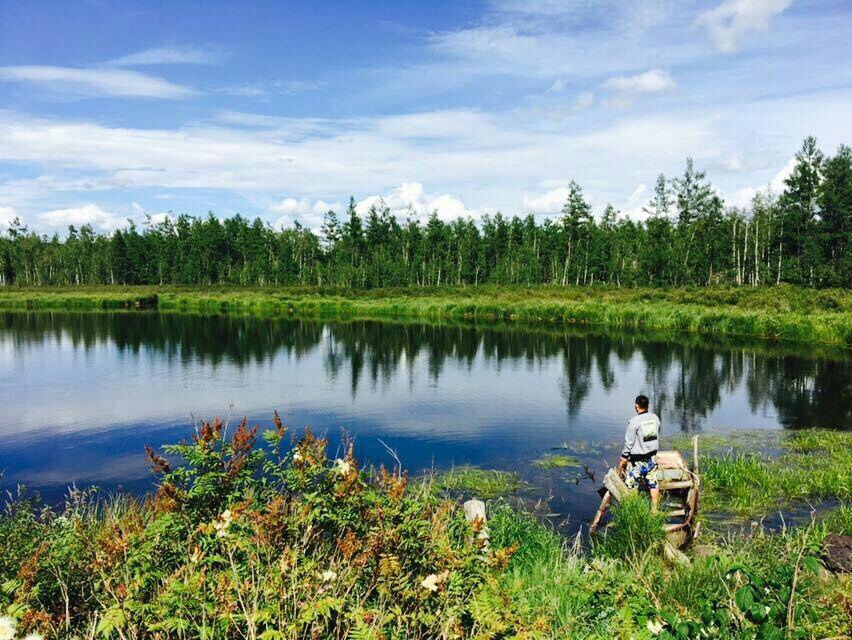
83	392
686	378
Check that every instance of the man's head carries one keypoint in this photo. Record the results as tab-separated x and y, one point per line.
641	404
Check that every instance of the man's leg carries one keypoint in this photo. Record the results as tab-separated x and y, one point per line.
655	499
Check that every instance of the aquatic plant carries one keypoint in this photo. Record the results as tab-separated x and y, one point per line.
762	474
556	461
472	481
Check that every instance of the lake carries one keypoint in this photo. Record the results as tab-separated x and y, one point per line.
83	393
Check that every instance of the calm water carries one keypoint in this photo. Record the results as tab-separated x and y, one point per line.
83	393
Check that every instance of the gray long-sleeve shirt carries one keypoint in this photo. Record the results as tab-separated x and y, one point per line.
642	436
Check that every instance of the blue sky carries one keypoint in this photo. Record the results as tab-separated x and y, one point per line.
113	110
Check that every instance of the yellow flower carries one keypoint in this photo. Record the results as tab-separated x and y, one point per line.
654	626
7	628
329	576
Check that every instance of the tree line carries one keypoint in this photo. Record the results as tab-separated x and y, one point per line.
689	237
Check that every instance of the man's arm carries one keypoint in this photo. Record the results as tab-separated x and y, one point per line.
629	441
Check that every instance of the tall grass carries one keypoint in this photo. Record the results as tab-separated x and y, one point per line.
759	475
785	313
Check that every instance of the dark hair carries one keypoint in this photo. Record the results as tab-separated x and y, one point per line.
642	401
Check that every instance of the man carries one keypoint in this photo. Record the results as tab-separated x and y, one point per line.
641	441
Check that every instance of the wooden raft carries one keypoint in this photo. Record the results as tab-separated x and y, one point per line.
679	487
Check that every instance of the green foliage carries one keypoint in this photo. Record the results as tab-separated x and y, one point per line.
241	541
634	529
641	596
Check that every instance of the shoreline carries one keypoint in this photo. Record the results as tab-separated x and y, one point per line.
777	314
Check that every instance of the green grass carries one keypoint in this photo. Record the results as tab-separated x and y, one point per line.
763	472
474	482
556	461
785	313
616	594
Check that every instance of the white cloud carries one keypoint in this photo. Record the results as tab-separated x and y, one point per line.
410	199
652	81
85	214
548	203
158	218
165	55
307	212
7	215
583	101
732	20
777	185
95	82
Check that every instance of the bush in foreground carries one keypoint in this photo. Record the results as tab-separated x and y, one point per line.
282	542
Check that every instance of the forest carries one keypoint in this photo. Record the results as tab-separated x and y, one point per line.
688	238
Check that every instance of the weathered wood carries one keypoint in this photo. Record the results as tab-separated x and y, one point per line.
674	555
695	454
675	513
601	510
676	484
615	485
474	510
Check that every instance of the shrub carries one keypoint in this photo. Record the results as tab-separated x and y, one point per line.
250	542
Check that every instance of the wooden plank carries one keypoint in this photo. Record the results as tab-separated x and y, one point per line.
677	484
615	485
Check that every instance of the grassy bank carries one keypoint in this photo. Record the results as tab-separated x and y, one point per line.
785	313
282	542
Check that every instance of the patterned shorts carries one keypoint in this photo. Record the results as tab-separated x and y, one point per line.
642	469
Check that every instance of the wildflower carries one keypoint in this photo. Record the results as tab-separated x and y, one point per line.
223	523
329	576
654	626
7	628
430	582
344	467
34	636
297	456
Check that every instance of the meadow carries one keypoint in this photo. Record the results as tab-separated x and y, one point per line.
281	541
779	313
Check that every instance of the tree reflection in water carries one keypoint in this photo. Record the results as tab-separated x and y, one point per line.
685	376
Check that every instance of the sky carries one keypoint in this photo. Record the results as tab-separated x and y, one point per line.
119	110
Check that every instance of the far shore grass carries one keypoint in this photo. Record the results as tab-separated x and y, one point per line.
778	313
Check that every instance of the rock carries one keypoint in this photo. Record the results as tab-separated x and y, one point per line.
837	553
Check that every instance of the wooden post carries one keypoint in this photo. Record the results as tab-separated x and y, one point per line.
695	454
475	510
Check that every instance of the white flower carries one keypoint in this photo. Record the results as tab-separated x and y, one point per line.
343	466
328	576
7	628
34	636
430	582
222	524
654	626
297	456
